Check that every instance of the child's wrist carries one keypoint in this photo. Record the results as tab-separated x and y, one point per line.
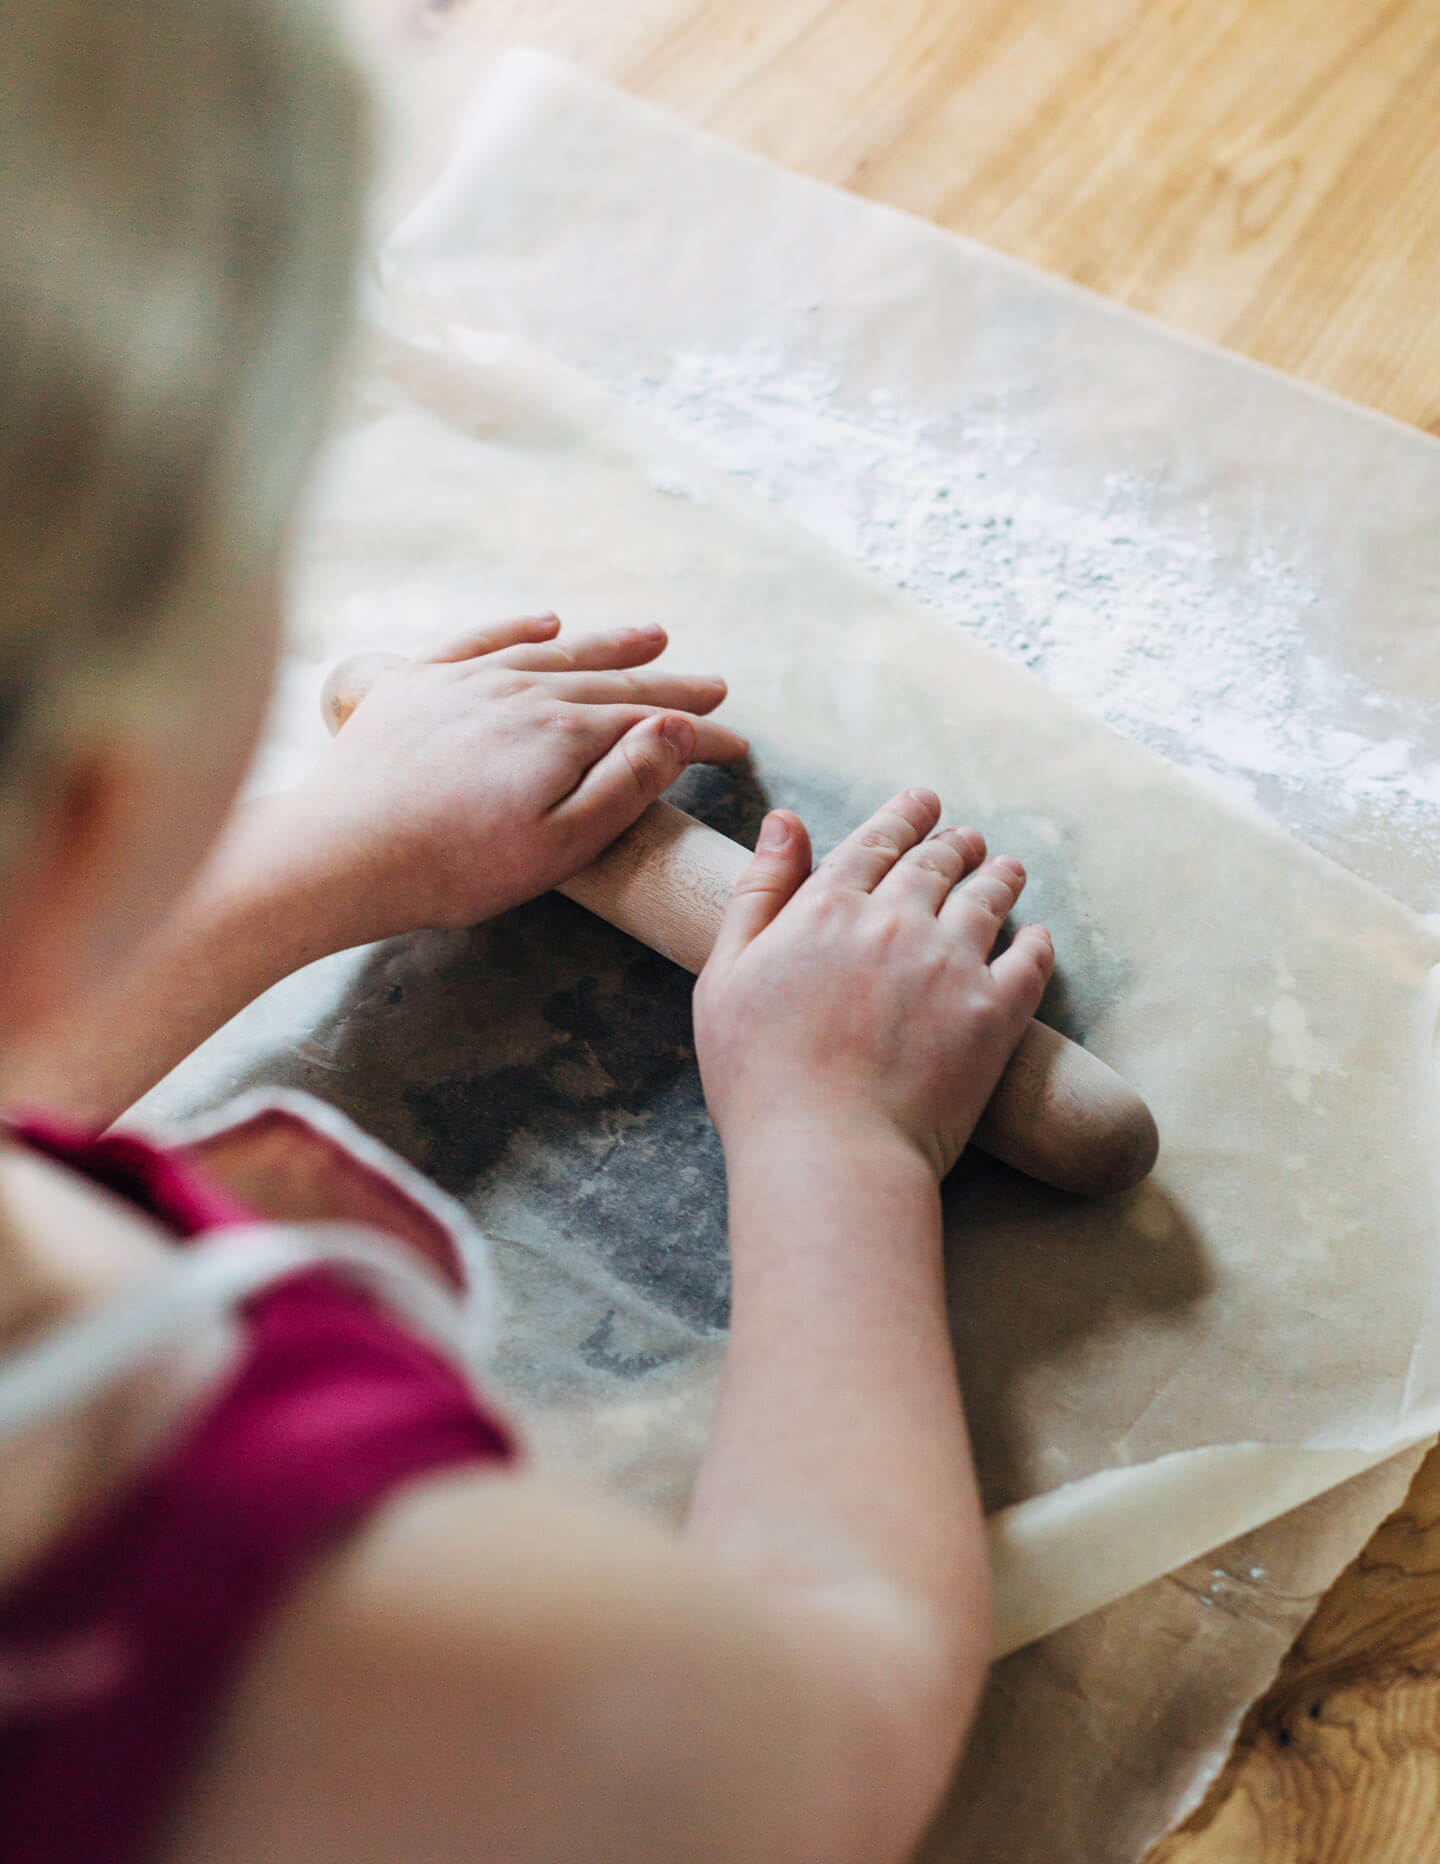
292	894
846	1181
842	1135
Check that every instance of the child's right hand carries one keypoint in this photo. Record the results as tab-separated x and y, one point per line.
862	997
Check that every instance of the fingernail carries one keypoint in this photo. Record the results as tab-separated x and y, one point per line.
774	833
679	734
927	799
650	631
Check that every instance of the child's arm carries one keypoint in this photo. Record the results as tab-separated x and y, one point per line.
494	1669
467	781
851	1033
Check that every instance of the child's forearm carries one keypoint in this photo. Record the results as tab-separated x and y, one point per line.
839	1468
257	911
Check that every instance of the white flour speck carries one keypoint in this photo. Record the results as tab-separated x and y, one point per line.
673	484
1110	602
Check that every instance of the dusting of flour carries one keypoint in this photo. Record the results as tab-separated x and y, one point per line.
1109	602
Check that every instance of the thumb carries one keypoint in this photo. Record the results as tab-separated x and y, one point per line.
779	867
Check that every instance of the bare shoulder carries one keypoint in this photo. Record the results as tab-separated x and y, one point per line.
498	1668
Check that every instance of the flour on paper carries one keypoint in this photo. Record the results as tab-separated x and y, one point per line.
1129	617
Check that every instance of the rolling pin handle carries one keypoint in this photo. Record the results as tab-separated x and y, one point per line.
348	682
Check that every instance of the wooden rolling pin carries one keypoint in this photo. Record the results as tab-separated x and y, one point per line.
1059	1114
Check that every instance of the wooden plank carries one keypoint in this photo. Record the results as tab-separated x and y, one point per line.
1262	173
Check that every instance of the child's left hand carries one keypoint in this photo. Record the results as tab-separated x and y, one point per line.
486	773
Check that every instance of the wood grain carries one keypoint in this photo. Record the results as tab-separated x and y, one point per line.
1264	173
1340	1762
1261	173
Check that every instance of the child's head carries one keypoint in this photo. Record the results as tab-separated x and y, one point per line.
178	209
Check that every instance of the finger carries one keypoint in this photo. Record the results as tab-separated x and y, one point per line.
495	638
925	876
778	869
1025	969
672	692
642	763
714	743
981	904
864	858
617	647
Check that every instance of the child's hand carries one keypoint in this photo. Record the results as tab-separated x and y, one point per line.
486	773
863	996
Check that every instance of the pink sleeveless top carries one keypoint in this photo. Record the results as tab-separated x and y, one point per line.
117	1647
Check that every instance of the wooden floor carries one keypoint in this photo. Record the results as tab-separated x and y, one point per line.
1264	173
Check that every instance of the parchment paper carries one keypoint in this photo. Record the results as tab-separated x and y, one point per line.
1272	1287
1240	571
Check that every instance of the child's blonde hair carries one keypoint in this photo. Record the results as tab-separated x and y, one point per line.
179	202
